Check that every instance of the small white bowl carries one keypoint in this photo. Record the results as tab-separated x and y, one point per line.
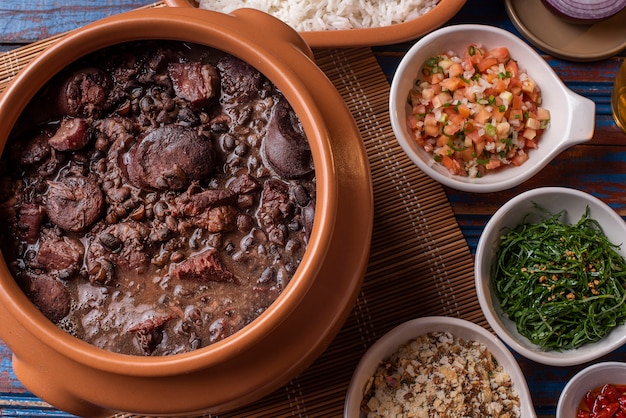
459	328
589	378
572	116
510	215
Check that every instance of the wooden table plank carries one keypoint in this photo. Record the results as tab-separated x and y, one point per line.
598	167
26	21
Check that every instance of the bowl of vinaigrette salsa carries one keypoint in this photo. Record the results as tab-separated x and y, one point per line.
477	109
596	391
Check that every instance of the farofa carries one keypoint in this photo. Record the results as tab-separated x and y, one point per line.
438	375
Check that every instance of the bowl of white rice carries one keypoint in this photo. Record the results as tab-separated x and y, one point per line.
437	364
346	23
493	148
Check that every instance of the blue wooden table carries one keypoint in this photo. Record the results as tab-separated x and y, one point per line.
598	167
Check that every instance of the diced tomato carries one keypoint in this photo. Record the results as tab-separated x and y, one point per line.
512	68
486	63
419	109
483	115
441	99
529	134
497	114
463	110
500	85
467	154
531	143
501	54
450	83
455	70
442	141
520	158
413	122
451	128
516	114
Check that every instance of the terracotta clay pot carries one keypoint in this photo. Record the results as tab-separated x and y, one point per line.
82	379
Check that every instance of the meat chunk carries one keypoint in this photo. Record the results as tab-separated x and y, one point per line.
199	202
50	295
286	147
73	134
217	219
58	253
74	203
205	266
170	157
29	221
149	333
244	184
84	93
35	150
239	80
124	245
276	206
195	82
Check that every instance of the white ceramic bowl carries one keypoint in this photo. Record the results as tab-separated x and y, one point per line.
589	378
460	328
572	116
511	214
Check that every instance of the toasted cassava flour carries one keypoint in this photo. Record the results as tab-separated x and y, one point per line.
438	375
308	15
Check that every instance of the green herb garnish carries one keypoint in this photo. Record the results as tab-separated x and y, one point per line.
562	285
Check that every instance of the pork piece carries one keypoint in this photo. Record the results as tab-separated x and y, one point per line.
275	207
149	333
73	134
59	253
199	202
73	203
286	148
239	80
124	245
195	82
202	267
35	150
30	217
50	295
170	157
244	184
116	129
217	219
84	93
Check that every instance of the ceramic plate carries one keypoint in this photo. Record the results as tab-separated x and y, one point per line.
567	40
401	32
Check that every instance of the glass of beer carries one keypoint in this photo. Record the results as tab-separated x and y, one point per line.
618	97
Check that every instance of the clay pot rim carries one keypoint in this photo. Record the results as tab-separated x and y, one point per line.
185	25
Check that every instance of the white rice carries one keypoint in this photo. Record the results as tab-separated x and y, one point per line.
312	15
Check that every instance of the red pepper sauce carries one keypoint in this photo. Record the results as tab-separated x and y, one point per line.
608	401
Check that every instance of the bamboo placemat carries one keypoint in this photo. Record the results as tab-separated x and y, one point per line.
419	265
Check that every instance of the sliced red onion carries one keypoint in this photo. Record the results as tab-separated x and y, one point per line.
585	11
